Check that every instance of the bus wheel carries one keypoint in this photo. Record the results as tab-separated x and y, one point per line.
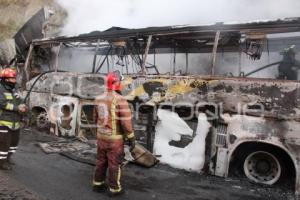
262	167
42	121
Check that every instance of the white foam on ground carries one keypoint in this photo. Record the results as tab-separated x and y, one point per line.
171	127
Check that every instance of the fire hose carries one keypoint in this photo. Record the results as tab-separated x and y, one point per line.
34	83
262	68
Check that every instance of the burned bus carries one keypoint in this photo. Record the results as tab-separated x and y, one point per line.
244	77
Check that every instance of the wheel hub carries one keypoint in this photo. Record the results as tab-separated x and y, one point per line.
42	120
262	167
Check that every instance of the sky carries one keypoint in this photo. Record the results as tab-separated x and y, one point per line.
90	15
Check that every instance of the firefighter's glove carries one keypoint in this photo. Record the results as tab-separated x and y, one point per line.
131	142
22	108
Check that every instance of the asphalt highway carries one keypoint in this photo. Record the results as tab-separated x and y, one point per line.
55	177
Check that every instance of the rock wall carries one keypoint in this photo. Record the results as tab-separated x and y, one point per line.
15	13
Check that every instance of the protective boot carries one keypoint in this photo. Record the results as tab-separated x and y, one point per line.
99	188
4	165
114	194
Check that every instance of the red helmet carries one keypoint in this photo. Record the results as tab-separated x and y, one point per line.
8	73
113	81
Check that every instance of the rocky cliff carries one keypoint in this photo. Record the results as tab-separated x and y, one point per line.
15	13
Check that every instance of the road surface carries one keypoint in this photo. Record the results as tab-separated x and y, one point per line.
55	177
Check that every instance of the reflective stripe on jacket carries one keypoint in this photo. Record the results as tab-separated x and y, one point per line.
9	103
113	117
10	125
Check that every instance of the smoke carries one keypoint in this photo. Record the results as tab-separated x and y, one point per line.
91	15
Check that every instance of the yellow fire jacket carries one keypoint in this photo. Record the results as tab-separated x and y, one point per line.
113	117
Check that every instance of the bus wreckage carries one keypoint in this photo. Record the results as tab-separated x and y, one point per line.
242	76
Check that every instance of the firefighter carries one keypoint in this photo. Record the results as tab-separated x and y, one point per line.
288	68
113	119
10	115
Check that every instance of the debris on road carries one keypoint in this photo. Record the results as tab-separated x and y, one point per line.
64	146
237	187
85	152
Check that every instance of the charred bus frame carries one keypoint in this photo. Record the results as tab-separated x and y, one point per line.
265	138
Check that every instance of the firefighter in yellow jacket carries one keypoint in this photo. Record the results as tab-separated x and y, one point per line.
10	115
113	119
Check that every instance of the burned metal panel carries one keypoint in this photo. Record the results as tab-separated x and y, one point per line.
61	94
86	86
85	116
63	113
258	97
278	99
280	133
42	100
293	144
89	86
262	110
33	29
249	127
208	31
222	162
61	110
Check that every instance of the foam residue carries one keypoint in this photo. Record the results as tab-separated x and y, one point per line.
172	127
